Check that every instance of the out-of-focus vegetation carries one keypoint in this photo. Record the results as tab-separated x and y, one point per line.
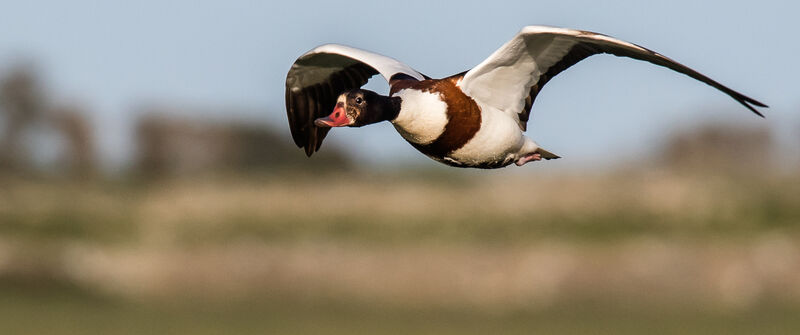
226	228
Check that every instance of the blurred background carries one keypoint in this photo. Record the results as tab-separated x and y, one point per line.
148	183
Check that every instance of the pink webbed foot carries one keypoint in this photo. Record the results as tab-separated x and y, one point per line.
528	158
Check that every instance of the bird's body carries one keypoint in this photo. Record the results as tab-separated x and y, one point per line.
445	124
472	119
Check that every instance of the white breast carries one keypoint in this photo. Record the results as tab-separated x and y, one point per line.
422	116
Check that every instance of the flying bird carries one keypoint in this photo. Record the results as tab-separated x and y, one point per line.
476	118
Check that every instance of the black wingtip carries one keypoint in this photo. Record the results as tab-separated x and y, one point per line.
749	102
757	103
309	148
752	109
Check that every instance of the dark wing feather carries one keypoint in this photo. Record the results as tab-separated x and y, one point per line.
306	104
318	77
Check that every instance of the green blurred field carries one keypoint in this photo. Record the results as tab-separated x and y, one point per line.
461	253
67	311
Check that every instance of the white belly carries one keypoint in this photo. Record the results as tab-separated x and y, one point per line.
499	140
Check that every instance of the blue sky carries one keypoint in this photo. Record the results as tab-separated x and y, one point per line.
113	56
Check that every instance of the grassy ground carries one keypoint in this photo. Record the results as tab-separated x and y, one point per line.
69	311
655	253
493	210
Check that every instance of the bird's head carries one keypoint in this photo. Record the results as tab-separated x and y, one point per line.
358	108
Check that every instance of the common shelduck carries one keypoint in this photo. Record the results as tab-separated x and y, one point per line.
471	119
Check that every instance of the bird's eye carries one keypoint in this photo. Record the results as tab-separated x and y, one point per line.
359	100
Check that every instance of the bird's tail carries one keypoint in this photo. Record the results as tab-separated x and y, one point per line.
547	154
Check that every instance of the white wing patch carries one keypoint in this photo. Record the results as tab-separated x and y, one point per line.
316	73
504	79
573	32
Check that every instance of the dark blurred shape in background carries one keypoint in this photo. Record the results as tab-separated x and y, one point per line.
22	105
173	146
721	149
78	158
27	114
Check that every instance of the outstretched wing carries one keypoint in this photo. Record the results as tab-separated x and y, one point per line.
318	77
513	75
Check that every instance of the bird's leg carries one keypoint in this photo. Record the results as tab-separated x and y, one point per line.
529	157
